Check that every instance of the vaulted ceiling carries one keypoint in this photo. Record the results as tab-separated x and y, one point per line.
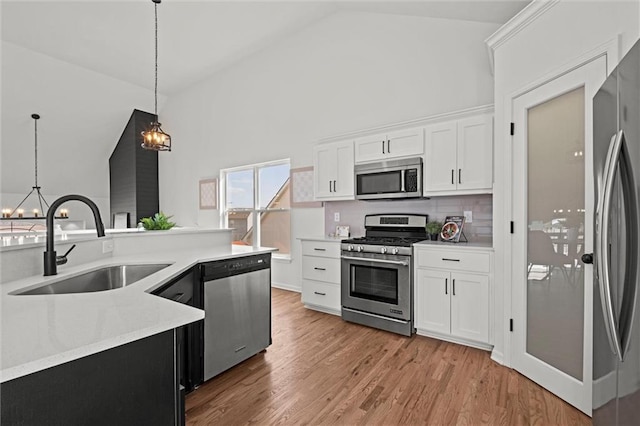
196	38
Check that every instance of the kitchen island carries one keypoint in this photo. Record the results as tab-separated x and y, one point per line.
41	333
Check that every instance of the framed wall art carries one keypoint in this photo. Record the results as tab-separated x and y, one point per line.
209	194
302	188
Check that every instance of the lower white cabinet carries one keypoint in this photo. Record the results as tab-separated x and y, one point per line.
452	294
321	275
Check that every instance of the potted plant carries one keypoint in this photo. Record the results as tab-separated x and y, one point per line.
433	229
158	222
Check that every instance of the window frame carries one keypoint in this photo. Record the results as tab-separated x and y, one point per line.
257	212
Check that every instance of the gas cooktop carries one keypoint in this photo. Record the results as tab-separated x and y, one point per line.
385	241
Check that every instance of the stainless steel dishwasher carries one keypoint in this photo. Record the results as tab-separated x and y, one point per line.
237	305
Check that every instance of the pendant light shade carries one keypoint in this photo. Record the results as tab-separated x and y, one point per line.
155	138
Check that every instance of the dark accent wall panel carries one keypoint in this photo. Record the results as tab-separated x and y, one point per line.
133	172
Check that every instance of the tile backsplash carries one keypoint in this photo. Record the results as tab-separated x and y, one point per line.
352	213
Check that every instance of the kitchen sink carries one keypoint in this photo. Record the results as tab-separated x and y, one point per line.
107	278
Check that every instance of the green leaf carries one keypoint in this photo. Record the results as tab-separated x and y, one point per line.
159	221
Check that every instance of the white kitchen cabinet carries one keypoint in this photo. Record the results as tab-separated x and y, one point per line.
333	171
459	157
452	294
321	275
433	305
390	145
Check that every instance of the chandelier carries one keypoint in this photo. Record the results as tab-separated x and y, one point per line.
155	138
17	212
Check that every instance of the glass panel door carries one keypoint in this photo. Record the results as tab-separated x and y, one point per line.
553	212
555	188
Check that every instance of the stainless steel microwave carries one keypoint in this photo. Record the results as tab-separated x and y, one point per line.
389	179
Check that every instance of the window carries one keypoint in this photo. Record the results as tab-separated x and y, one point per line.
256	204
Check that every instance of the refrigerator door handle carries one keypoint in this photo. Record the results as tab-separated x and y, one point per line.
602	243
630	293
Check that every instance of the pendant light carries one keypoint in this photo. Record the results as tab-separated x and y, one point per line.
10	214
155	138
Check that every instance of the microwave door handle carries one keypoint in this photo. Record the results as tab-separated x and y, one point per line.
402	173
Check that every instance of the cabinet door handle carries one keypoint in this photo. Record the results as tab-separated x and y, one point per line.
459	175
319	249
319	293
383	147
319	269
446	284
388	146
454	286
452	173
330	187
450	260
334	185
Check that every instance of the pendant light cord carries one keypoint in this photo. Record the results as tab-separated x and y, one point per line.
35	122
155	89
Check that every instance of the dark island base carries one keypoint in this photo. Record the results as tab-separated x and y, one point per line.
132	384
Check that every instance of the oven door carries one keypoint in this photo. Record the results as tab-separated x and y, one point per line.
377	283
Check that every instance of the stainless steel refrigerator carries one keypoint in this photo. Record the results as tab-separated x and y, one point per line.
616	310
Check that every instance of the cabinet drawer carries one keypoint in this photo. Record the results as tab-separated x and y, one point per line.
321	248
454	260
321	269
321	294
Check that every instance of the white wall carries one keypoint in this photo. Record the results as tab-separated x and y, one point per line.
348	72
565	32
83	114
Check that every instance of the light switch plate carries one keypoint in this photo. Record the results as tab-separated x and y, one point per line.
468	216
336	217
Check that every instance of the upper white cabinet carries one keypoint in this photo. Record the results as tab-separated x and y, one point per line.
386	146
459	157
333	171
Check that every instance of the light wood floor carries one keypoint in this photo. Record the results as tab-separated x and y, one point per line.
322	370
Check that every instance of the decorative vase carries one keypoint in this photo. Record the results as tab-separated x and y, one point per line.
434	237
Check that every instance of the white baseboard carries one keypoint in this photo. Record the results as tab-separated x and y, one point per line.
323	309
453	339
497	356
604	389
287	287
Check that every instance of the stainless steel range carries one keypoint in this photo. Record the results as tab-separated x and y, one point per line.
377	272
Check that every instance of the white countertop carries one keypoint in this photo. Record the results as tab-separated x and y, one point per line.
41	331
26	240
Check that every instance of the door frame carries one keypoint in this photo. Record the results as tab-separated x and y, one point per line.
577	392
610	50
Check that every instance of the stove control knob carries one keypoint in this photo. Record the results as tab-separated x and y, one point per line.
383	250
395	250
350	248
360	248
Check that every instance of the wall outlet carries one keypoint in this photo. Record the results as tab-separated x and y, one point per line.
107	246
336	217
468	216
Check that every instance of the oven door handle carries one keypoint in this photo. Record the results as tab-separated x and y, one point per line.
392	262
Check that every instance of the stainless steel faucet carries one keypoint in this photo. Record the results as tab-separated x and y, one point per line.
51	261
